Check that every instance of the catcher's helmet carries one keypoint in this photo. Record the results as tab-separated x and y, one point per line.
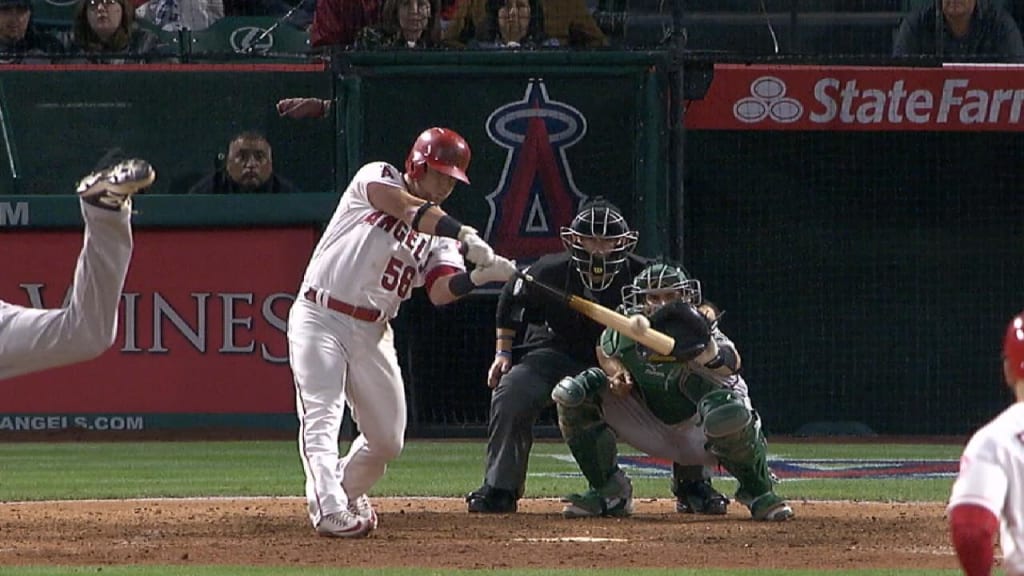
443	150
1013	350
657	279
598	240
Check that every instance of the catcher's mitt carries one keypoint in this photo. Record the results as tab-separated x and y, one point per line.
687	325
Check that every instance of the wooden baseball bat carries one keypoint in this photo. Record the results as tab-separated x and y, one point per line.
651	338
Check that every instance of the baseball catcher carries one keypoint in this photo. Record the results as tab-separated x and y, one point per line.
690	408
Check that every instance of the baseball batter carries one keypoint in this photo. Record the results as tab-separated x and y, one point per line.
388	236
34	339
989	490
666	407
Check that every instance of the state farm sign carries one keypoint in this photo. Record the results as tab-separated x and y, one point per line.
857	98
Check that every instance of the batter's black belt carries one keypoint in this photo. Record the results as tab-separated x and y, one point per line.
357	312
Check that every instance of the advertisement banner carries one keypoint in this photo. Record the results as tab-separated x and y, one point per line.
952	98
201	327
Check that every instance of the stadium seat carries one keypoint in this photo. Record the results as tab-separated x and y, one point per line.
53	13
238	37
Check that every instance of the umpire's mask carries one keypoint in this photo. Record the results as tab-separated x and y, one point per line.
598	240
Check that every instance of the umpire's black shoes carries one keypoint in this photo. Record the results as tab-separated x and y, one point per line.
489	500
699	497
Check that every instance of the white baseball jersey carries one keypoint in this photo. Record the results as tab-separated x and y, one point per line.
371	259
992	476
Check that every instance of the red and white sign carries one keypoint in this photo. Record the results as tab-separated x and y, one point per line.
956	97
201	326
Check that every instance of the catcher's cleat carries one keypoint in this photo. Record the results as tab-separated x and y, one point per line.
768	507
362	508
699	497
111	187
595	503
343	524
489	500
591	504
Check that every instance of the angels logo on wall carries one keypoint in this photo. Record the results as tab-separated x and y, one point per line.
536	194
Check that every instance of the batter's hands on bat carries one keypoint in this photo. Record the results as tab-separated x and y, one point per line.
501	365
499	270
477	251
299	108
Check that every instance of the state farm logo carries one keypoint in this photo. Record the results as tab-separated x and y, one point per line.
768	99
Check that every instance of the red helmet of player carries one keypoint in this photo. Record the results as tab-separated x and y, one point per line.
1013	350
443	150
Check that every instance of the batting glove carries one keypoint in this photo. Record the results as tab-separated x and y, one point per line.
477	251
500	270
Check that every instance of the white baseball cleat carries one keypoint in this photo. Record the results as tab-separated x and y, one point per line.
114	185
361	507
343	524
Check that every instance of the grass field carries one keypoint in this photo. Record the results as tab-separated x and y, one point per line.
43	471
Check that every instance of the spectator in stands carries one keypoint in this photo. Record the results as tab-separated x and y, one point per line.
971	28
565	23
404	24
20	40
510	24
248	169
337	22
105	31
174	15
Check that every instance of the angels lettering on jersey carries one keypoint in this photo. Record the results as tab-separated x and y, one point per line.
398	274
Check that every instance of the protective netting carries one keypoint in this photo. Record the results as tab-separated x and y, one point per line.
865	277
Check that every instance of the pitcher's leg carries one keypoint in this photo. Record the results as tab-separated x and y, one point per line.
35	339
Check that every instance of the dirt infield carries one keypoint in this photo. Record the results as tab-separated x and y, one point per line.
438	533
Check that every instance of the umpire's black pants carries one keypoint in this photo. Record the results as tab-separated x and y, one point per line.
516	402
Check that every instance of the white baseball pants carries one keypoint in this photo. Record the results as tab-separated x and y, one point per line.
33	339
337	359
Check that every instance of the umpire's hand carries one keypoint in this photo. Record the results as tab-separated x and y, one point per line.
501	365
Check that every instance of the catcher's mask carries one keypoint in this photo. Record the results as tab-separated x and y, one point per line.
443	150
663	283
598	240
1013	350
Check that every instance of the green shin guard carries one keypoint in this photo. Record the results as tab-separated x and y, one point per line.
596	454
734	437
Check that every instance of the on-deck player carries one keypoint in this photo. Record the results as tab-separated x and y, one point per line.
33	339
989	490
387	236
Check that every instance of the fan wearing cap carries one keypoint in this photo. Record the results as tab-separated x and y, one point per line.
989	490
387	236
20	40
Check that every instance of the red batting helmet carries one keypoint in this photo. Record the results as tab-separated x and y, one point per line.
1013	347
441	149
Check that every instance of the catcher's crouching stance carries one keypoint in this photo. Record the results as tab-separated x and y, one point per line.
689	408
